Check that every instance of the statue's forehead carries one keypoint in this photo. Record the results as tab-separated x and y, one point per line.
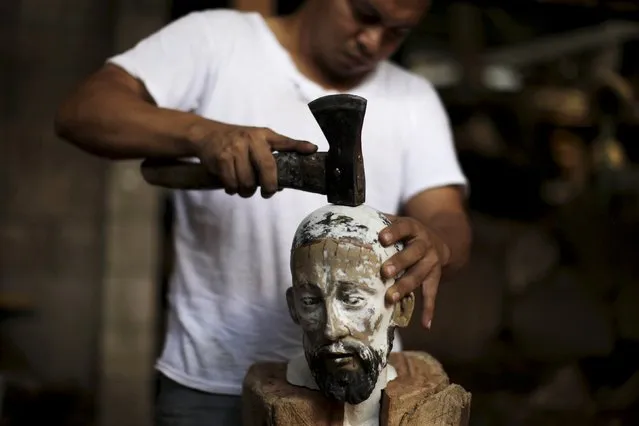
360	225
329	260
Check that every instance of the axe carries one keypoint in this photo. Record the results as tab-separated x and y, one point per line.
337	173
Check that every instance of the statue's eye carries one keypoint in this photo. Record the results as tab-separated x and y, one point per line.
353	300
310	300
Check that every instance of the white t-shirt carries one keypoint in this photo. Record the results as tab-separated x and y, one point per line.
227	291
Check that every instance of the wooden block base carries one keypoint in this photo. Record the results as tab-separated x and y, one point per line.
420	395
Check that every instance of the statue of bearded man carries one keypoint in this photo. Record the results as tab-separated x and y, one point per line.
338	299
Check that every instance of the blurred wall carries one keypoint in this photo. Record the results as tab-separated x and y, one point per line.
132	239
52	208
78	235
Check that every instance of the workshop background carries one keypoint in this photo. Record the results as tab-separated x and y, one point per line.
543	324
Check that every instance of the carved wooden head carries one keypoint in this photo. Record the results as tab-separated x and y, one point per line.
338	298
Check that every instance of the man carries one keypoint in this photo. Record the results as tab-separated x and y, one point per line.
229	88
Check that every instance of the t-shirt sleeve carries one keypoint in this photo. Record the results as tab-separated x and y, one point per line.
173	63
430	159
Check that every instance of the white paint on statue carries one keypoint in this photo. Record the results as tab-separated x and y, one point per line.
338	298
370	222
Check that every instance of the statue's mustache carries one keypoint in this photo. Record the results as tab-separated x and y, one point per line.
343	348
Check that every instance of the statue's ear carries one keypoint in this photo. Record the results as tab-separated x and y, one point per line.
291	305
403	310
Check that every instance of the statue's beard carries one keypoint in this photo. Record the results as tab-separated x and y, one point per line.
354	384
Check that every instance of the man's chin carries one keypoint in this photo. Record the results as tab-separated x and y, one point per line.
357	72
349	72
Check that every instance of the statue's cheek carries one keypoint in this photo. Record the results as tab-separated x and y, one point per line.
312	319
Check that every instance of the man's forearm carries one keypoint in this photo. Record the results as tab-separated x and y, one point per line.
107	118
442	212
454	230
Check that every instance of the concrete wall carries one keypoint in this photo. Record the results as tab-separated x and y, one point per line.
132	234
52	195
78	235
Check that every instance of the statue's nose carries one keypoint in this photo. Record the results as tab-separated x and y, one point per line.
334	328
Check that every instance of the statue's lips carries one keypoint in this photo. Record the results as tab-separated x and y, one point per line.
339	359
337	355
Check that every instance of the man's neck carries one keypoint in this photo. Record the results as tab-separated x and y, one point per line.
292	32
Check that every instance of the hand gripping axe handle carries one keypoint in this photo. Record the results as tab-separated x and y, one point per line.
337	173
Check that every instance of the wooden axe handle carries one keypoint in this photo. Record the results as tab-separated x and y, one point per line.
178	174
296	171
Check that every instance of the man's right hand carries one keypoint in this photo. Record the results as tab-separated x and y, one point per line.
242	157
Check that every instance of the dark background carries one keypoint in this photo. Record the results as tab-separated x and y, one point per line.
542	326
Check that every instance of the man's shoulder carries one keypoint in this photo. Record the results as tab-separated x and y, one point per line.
226	21
223	14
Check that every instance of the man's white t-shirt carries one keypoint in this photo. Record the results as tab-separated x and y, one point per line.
227	291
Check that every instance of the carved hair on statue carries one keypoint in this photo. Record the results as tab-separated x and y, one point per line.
338	298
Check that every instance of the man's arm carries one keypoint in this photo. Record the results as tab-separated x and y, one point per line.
138	105
442	211
135	105
434	226
434	183
437	237
112	114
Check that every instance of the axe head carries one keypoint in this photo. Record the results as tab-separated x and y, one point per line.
341	118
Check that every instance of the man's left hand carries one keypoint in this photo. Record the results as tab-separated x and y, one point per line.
422	259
